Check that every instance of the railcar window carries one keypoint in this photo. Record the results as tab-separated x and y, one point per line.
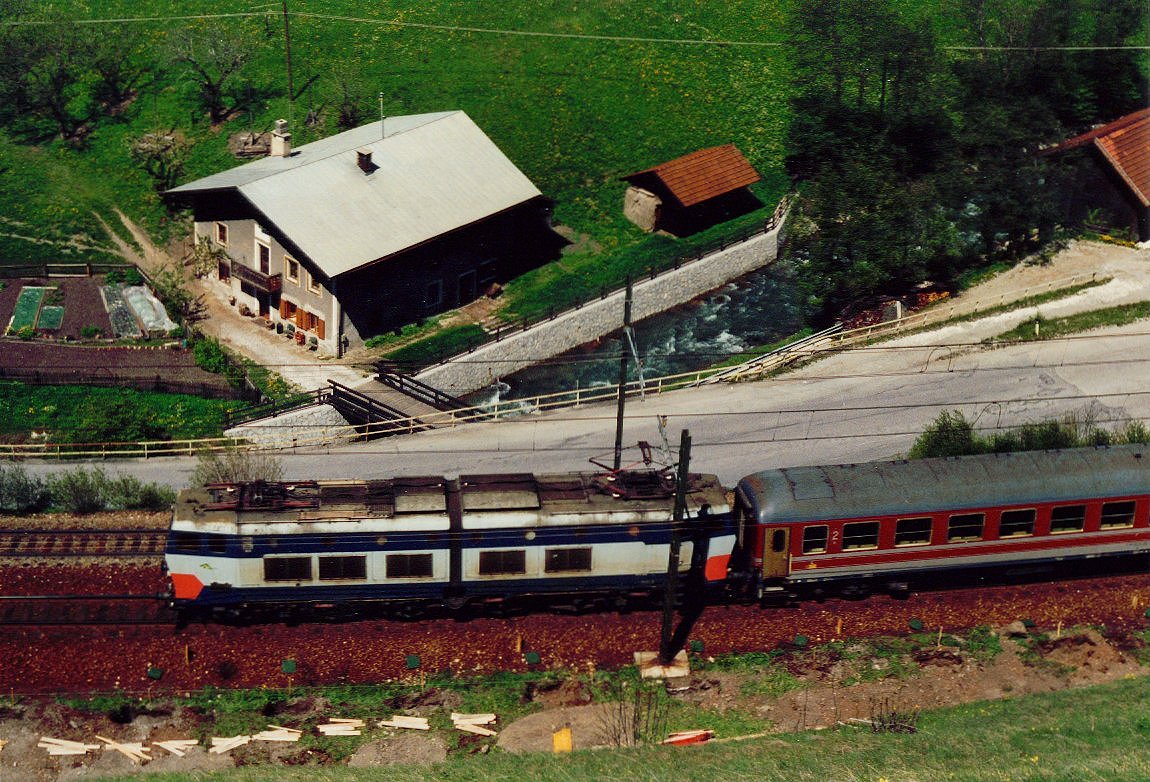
913	532
1117	514
342	568
287	568
1067	518
558	560
965	526
860	535
1016	523
778	541
815	540
409	566
185	541
493	563
217	544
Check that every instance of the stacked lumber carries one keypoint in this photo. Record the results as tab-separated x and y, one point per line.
410	723
278	733
336	726
473	723
178	747
220	745
65	747
134	751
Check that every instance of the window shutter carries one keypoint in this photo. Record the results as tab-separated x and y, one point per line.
319	327
300	316
285	308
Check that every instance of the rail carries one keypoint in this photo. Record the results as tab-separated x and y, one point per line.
370	416
417	389
274	408
16	271
776	358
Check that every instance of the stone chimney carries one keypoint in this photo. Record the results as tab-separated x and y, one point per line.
281	140
363	160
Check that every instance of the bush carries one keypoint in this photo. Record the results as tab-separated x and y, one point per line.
21	492
126	492
211	357
80	491
90	332
949	435
233	465
133	277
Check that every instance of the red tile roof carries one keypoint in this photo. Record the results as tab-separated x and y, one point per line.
1125	143
702	175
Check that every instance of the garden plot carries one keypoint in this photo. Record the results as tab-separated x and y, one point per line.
124	322
27	308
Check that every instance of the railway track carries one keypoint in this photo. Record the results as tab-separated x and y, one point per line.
121	543
122	610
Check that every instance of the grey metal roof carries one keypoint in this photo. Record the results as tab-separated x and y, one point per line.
925	485
436	173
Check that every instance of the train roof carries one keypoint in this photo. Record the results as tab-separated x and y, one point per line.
931	485
645	491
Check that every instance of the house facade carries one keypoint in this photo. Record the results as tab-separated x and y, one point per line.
364	232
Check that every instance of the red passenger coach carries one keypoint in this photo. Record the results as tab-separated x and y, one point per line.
893	526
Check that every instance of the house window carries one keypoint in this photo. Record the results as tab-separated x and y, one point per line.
815	540
1016	523
222	234
502	563
559	560
342	568
1067	518
313	284
1117	514
965	526
287	569
913	532
264	258
288	309
433	295
291	269
409	566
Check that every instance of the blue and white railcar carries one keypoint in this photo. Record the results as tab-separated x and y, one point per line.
420	541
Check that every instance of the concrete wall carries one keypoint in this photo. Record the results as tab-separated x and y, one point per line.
569	330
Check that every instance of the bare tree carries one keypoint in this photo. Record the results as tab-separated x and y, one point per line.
161	155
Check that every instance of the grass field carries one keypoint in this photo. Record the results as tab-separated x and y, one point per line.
1087	734
574	114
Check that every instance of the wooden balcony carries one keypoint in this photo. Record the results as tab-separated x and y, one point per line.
272	283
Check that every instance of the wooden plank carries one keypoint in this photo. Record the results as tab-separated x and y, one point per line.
135	751
472	719
410	723
177	747
467	727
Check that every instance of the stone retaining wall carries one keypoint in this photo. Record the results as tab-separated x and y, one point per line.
596	319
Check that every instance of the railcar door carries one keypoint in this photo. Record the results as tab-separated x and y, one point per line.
777	553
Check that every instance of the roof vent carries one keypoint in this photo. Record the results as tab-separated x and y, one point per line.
363	160
281	140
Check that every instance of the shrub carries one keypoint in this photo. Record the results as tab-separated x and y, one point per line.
25	333
90	332
126	492
948	435
211	357
234	465
114	277
21	492
133	277
80	491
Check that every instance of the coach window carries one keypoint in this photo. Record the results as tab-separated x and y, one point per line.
815	540
185	541
342	568
409	566
860	535
560	560
965	526
287	569
502	563
1117	514
913	532
1016	523
217	544
1067	518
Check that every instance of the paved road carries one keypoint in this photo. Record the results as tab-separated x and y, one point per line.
869	404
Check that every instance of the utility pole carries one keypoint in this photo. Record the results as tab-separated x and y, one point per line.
666	653
287	52
622	380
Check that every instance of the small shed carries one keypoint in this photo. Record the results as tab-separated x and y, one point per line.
1114	174
691	192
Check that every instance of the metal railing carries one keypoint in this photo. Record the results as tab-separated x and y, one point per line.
417	389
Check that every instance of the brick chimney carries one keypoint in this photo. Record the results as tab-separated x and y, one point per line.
281	140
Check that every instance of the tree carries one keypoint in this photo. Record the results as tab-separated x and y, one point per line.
118	69
214	57
235	465
161	155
